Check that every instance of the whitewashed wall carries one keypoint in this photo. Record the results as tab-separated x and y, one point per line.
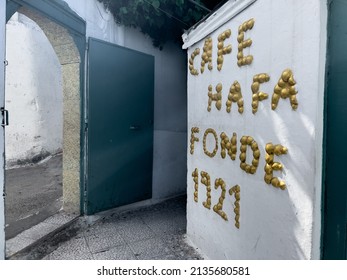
274	223
33	93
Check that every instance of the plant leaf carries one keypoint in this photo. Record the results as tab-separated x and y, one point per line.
156	4
123	10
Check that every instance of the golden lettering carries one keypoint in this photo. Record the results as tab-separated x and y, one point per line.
195	176
193	139
231	145
221	49
249	141
285	88
235	95
205	180
192	70
208	131
217	97
207	55
218	208
236	191
243	44
270	165
258	95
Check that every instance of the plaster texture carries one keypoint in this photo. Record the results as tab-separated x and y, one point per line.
71	136
274	223
169	178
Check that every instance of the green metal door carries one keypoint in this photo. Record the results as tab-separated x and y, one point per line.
335	208
120	126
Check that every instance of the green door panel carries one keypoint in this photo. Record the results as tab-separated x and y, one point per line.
120	126
335	203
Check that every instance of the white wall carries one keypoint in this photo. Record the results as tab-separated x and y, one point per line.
170	106
274	223
33	92
100	23
2	97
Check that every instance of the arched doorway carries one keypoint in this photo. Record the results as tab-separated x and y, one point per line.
33	138
69	58
66	33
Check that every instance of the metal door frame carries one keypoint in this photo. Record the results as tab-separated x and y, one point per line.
2	131
333	245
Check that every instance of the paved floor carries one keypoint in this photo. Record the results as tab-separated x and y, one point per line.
155	232
33	193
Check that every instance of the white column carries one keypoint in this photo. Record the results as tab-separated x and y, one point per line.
2	134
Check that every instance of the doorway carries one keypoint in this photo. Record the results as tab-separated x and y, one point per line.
56	108
33	138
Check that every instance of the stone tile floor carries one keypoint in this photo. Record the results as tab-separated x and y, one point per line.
155	232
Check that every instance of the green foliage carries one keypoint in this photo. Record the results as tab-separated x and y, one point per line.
162	20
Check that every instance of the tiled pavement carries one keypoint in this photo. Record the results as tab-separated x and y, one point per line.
155	232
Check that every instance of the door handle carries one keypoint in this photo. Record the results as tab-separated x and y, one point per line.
4	114
135	127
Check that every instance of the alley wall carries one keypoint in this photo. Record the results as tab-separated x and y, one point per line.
255	122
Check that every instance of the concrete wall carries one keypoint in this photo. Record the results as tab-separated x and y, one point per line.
274	223
33	93
170	95
2	132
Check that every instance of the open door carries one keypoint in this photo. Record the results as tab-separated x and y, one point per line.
2	132
120	126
